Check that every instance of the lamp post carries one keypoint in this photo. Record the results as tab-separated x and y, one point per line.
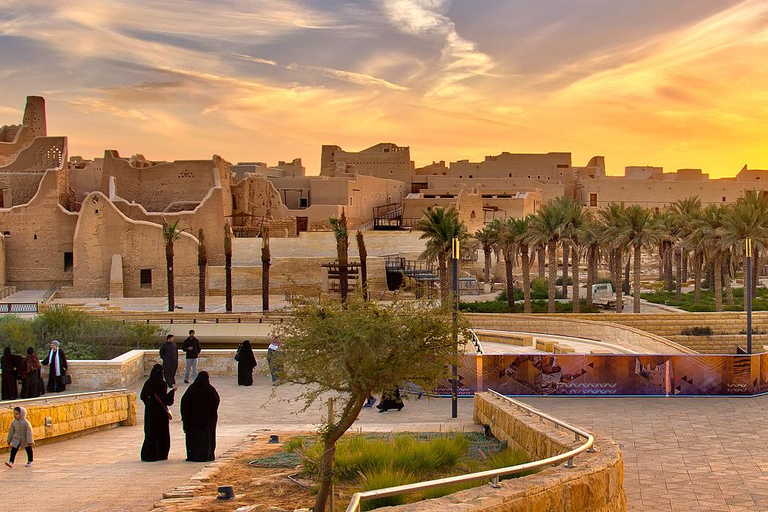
748	291
455	311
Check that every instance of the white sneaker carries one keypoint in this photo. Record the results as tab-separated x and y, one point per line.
28	465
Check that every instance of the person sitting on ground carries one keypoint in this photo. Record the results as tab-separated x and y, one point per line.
199	414
20	434
57	361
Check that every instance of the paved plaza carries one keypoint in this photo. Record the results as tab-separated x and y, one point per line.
700	454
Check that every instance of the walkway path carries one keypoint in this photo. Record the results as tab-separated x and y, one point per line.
681	454
102	471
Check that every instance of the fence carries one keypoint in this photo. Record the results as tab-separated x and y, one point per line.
612	375
18	307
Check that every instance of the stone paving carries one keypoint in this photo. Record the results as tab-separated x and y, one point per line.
681	454
102	471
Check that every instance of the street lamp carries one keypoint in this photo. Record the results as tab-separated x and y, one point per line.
748	291
455	310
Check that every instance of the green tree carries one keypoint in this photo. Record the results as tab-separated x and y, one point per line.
741	221
522	228
507	238
758	199
171	233
340	232
614	219
592	237
439	227
357	350
684	215
573	238
202	265
640	233
710	239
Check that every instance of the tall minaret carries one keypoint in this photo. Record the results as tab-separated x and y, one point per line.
34	115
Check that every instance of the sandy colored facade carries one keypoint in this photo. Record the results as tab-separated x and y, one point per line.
384	160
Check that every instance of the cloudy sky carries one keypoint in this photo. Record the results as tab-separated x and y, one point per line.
642	82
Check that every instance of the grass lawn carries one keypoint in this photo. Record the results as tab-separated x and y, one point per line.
707	302
375	461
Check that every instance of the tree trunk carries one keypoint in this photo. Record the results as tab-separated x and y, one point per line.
202	265
727	284
169	275
590	274
444	287
625	288
668	266
509	266
341	251
718	285
540	257
551	292
487	269
685	265
361	250
679	267
566	253
617	279
228	266
576	277
266	262
526	278
697	278
661	261
636	278
612	267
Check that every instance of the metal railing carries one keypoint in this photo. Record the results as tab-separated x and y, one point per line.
476	342
18	307
493	474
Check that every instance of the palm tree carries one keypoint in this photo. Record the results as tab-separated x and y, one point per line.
710	238
339	227
640	232
741	221
486	237
614	218
507	238
522	227
666	242
684	214
266	262
228	265
363	263
171	233
439	227
576	218
547	228
592	237
759	200
202	264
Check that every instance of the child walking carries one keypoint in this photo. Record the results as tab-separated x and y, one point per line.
20	434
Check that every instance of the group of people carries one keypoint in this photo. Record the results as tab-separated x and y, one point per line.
199	405
246	362
28	371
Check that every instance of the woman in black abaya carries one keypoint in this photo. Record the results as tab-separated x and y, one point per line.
199	413
245	364
11	366
157	398
390	400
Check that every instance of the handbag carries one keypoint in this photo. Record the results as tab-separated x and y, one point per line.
67	379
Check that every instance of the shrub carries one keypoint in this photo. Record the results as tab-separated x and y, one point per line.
293	444
697	331
559	281
386	477
539	288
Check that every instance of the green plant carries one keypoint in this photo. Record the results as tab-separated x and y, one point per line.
697	331
293	444
386	477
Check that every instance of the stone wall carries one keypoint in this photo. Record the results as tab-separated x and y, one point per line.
595	483
72	415
566	326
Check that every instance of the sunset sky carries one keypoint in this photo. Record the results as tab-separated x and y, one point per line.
679	83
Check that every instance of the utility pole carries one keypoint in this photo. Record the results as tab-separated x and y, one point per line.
455	316
748	291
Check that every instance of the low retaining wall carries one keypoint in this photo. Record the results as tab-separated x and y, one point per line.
123	371
595	483
56	418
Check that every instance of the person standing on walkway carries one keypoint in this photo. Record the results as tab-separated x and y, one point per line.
20	434
57	361
391	400
191	348
199	414
32	384
157	416
273	359
245	364
11	366
169	353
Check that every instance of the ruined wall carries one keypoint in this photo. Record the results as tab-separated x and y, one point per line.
384	160
85	176
13	138
156	185
39	233
141	246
